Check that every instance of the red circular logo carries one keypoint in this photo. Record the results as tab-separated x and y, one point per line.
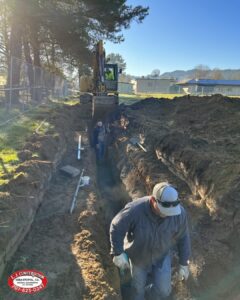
27	281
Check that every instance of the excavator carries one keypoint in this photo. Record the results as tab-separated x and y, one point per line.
102	89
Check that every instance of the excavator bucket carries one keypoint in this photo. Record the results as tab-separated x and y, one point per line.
102	106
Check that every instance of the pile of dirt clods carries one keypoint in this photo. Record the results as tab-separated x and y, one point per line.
193	143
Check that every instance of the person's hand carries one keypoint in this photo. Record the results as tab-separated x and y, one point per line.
121	261
183	272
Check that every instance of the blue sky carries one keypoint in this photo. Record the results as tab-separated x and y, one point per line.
181	34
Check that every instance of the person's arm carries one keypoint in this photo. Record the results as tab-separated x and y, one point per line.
118	229
184	244
184	249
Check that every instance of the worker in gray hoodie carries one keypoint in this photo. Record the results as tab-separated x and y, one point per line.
142	236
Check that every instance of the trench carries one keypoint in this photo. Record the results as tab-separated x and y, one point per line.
116	192
210	278
47	245
113	191
115	197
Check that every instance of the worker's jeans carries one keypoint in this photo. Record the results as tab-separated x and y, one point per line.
100	151
160	287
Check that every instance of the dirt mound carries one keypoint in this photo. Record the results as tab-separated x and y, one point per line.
40	157
192	142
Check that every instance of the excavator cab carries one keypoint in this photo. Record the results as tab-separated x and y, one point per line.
111	78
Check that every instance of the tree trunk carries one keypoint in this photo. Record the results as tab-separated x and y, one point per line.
37	63
27	54
14	67
80	73
5	34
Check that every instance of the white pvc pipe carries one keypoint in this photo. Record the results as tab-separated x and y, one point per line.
76	193
142	147
79	147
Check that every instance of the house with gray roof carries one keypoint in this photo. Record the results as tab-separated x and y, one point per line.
211	86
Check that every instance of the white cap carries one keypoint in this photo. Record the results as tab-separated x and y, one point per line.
99	123
164	192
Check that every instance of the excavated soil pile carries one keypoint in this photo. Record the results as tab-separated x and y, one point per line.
71	250
193	143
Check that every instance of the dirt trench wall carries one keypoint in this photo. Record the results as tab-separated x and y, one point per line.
91	249
212	179
192	143
21	197
198	139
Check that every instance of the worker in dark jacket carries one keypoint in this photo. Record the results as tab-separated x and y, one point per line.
142	236
99	139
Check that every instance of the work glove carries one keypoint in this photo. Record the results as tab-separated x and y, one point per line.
183	272
121	261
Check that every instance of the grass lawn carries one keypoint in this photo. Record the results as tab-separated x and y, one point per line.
14	133
71	102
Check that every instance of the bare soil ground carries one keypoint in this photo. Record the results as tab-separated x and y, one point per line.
71	250
191	142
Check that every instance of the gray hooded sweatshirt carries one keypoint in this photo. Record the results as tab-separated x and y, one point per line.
146	237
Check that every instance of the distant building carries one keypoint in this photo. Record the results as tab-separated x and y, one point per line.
125	88
156	86
211	86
